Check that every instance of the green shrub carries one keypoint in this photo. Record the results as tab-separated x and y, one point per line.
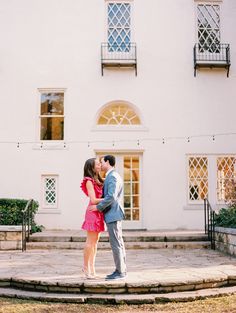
11	212
226	217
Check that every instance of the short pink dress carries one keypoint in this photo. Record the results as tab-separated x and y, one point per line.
94	220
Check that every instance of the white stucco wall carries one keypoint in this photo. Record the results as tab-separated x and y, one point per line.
56	44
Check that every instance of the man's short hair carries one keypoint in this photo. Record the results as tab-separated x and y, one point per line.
111	159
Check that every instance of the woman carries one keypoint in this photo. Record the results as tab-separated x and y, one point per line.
92	185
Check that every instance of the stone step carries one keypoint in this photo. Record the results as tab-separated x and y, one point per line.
128	237
129	286
117	298
129	245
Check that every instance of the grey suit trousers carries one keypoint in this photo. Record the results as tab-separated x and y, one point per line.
117	245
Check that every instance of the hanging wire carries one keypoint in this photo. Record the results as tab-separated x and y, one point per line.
137	141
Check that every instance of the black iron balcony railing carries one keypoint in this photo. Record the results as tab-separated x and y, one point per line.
119	55
217	55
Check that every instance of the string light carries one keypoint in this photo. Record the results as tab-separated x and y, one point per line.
113	142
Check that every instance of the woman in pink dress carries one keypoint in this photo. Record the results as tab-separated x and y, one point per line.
92	185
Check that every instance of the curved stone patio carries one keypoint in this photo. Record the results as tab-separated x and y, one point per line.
151	273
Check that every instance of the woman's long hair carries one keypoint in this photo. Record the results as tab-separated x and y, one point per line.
89	170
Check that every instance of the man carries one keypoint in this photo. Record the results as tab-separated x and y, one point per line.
113	214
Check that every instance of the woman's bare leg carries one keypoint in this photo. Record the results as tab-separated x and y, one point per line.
93	255
88	249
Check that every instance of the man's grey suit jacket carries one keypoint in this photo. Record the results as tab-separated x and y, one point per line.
111	204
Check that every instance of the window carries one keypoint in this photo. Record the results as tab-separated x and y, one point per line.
208	21
129	166
119	33
131	187
118	114
49	190
226	174
198	178
52	116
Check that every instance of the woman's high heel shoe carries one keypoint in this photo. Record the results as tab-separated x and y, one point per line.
86	274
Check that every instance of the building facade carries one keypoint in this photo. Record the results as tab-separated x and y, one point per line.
152	82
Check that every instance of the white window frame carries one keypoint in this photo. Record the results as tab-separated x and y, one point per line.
189	201
46	142
44	205
119	127
220	202
212	181
120	153
107	2
210	2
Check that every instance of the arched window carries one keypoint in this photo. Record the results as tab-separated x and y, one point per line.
118	114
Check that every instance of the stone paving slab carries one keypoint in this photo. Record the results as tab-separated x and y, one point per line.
149	271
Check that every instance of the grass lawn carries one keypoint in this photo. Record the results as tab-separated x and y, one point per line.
212	305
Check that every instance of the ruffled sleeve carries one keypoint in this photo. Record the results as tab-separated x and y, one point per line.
83	184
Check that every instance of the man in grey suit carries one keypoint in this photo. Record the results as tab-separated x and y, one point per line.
113	214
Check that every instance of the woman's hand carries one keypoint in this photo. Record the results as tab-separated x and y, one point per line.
93	208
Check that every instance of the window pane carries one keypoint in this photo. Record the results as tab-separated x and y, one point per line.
127	189
226	174
52	128
49	191
118	114
127	162
135	162
127	175
123	120
135	175
135	120
135	213
50	197
127	202
135	188
135	201
102	120
119	26
128	214
52	104
198	178
208	16
113	121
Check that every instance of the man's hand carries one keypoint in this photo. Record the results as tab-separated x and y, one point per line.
93	207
